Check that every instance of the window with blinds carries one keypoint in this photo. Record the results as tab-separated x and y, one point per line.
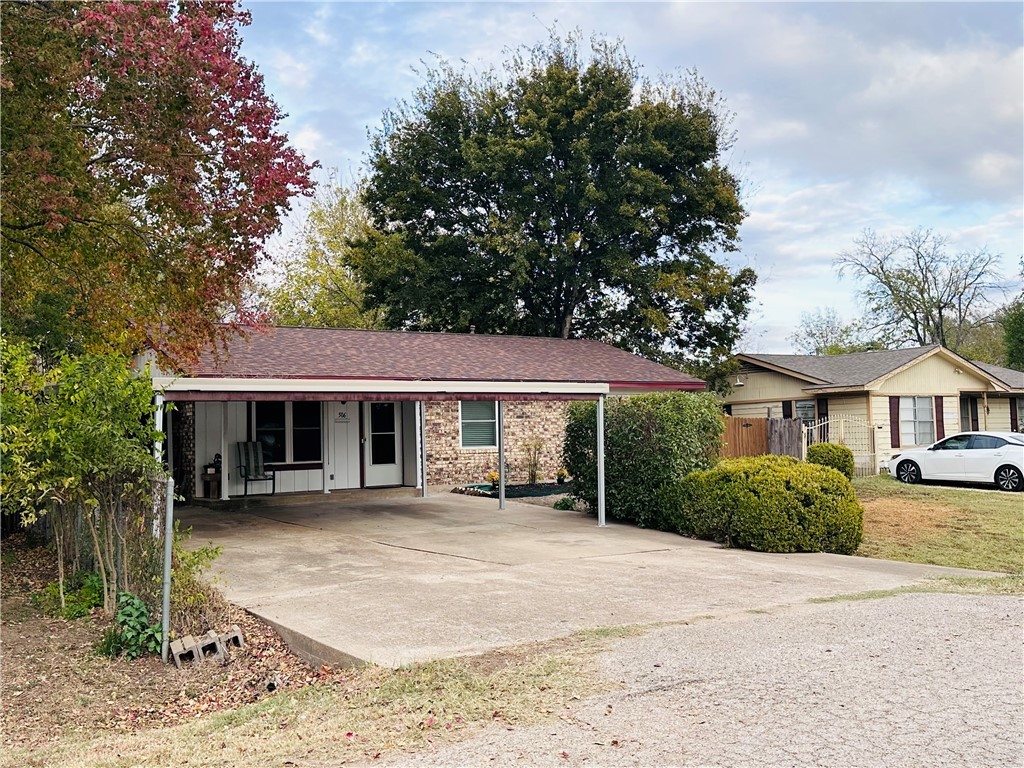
479	420
917	421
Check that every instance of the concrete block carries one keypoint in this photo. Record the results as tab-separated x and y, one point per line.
232	638
185	649
211	648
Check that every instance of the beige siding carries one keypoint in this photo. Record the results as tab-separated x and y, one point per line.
934	376
853	405
758	410
999	414
766	387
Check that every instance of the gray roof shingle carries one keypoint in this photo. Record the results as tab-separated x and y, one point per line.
851	370
1011	378
342	353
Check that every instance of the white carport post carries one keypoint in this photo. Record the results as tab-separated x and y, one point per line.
501	454
225	461
158	450
600	462
421	411
325	441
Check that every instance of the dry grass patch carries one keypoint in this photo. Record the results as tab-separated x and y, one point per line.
359	714
942	525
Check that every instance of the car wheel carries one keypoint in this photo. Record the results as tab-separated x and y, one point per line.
1009	478
908	472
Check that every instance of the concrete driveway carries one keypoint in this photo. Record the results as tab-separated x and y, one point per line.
394	581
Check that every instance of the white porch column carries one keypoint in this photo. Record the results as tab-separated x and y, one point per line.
158	424
325	441
421	412
158	450
501	454
600	462
225	458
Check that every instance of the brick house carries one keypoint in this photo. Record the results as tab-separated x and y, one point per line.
344	408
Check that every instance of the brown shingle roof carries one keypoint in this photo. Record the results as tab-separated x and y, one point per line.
337	353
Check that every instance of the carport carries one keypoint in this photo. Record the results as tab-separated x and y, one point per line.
408	370
395	581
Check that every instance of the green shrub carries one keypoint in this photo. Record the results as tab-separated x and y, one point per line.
565	503
82	593
196	606
839	457
651	443
132	635
772	504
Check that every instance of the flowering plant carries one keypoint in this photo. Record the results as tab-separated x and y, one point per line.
492	477
562	474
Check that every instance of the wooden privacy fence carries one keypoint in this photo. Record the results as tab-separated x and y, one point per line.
758	436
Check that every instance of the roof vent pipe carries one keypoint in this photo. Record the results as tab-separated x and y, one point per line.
472	329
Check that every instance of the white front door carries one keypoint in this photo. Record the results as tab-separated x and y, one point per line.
343	467
382	444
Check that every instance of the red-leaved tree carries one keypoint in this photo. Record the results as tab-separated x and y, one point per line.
143	170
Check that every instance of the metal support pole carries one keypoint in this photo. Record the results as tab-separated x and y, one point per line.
421	407
158	451
501	455
600	462
225	461
165	621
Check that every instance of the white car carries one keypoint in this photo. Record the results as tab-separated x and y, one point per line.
969	457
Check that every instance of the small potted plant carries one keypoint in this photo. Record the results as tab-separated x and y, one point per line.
561	475
492	478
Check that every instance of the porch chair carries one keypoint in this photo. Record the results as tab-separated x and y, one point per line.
251	468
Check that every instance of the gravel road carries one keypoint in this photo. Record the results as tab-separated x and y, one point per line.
912	680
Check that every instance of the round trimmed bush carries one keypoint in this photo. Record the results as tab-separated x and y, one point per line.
839	457
772	504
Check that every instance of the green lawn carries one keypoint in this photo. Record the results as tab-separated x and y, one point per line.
943	525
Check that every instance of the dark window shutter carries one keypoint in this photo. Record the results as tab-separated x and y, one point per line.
787	409
940	422
894	421
1014	415
974	414
822	416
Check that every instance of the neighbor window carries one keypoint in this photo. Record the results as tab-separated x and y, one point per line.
289	432
479	420
804	410
917	421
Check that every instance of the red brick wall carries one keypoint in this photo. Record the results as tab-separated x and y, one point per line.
448	463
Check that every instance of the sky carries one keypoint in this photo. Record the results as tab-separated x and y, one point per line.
888	116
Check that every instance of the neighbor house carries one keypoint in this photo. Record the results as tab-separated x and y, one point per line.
906	397
341	408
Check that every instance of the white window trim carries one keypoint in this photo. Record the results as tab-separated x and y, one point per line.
480	447
289	434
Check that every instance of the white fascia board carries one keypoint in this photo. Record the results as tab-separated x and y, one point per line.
172	384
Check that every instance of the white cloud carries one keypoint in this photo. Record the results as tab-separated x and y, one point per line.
308	140
318	26
288	70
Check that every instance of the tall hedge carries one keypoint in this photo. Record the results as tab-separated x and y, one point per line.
772	504
651	443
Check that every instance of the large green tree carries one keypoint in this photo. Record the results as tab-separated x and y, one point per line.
564	196
315	285
143	170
